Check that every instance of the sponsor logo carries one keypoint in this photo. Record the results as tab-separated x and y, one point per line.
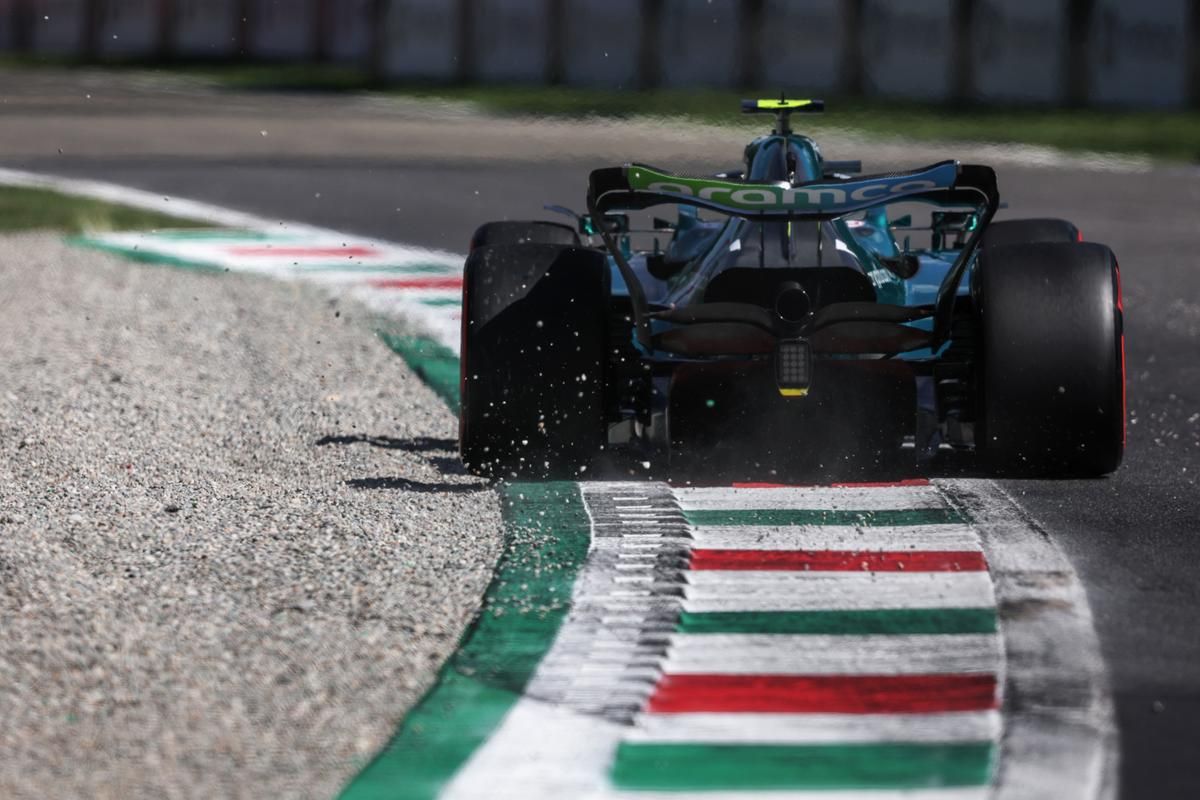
782	197
810	197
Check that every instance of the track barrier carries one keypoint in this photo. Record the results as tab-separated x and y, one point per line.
1051	52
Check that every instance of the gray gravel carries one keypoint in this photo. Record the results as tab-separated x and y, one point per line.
234	542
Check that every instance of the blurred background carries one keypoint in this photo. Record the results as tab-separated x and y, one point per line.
1091	75
1050	52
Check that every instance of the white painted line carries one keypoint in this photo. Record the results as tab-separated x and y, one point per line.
557	741
709	728
317	257
820	654
836	537
1060	740
430	320
540	750
184	208
440	322
840	591
852	498
551	752
969	793
152	201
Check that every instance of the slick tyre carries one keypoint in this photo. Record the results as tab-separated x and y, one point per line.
1051	379
533	360
1029	231
507	232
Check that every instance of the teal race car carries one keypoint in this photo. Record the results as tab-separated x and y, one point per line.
793	315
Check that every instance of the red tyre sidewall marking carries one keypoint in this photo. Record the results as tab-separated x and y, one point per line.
1124	388
462	364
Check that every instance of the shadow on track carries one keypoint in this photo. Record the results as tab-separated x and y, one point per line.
417	444
407	485
737	463
734	462
439	453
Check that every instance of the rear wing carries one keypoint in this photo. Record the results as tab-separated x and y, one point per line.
638	186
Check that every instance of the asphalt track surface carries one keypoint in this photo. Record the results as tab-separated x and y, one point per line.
428	177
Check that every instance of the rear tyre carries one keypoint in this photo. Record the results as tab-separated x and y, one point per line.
1051	378
1028	231
533	358
507	232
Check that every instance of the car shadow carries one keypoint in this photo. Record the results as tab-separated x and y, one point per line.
724	466
409	485
437	452
416	444
717	468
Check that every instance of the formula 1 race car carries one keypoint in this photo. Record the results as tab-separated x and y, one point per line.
792	314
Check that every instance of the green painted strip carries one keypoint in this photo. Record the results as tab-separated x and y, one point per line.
906	621
442	301
144	256
547	534
221	234
788	516
682	767
434	363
